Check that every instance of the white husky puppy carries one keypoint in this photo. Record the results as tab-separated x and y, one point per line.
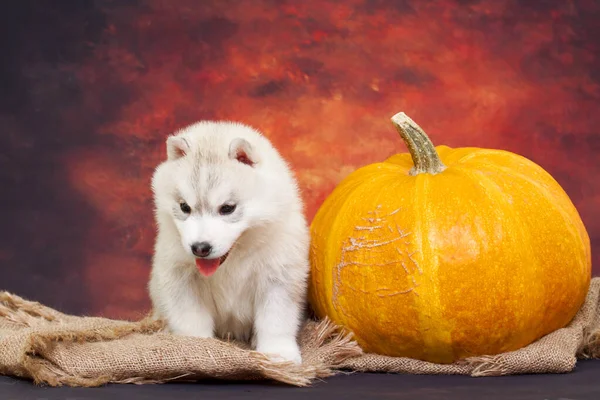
231	253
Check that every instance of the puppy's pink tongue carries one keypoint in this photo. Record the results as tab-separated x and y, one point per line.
207	267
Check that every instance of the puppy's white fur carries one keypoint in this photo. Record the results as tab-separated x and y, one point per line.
258	293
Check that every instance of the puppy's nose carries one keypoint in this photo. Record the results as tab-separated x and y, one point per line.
201	249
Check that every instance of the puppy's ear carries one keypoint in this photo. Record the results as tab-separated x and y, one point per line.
177	147
242	151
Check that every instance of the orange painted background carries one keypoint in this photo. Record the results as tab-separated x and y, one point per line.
91	92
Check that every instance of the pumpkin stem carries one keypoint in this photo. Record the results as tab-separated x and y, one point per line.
422	150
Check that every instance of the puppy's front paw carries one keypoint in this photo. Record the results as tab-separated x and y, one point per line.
281	350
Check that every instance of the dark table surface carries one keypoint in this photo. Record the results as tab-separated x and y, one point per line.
582	384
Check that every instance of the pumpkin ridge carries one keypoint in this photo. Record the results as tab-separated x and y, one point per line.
567	211
478	152
544	192
430	321
558	205
474	152
492	185
453	156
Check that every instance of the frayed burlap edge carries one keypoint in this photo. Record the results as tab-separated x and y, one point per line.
43	371
326	344
23	312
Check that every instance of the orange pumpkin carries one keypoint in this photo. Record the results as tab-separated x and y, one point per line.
445	253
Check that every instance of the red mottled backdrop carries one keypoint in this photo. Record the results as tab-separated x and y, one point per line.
91	89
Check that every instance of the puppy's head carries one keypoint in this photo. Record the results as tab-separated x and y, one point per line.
212	188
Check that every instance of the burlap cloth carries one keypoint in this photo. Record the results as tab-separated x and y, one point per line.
39	343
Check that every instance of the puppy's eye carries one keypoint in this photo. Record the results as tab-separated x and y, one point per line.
185	208
227	209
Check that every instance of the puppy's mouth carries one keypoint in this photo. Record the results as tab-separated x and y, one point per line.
208	267
223	258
